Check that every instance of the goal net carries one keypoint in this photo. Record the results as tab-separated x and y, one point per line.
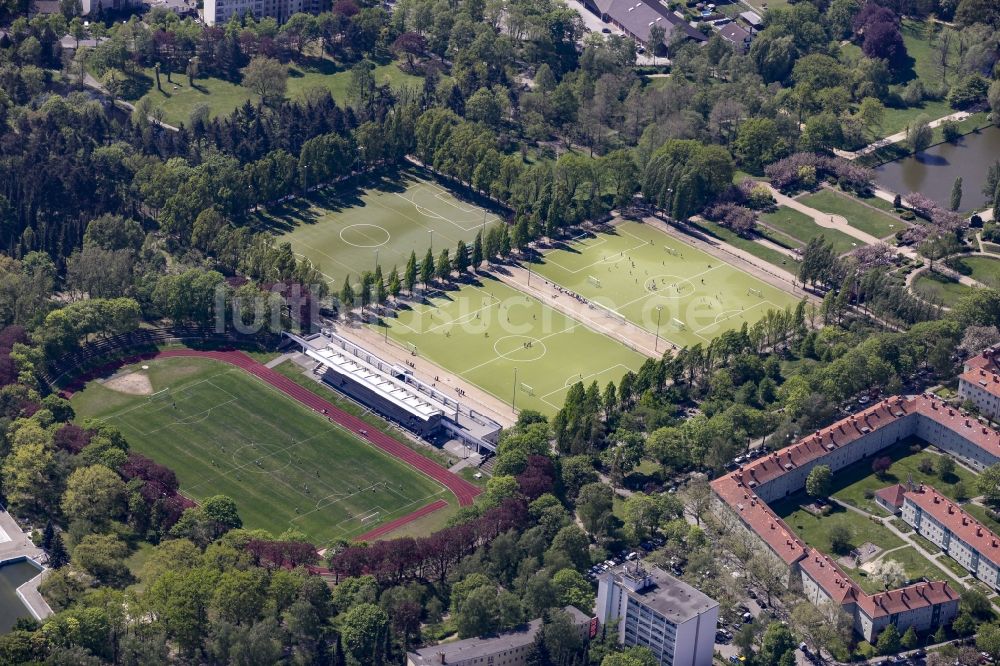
159	396
412	348
678	324
372	517
755	292
527	389
594	281
670	250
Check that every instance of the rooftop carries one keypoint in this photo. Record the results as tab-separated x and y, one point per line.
906	598
734	34
986	378
822	442
753	18
737	490
673	598
387	387
893	495
961	524
639	16
485	646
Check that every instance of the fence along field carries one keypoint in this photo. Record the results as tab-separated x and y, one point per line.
286	467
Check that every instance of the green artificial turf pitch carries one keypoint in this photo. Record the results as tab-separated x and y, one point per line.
341	231
636	268
486	332
224	432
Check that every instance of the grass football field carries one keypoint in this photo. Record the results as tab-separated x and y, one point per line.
636	268
224	432
487	332
341	231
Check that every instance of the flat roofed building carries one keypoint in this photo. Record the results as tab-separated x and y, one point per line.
390	396
510	648
217	12
655	610
753	19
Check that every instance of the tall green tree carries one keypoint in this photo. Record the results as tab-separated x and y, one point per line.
410	273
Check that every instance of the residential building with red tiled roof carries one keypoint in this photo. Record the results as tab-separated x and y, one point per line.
980	383
891	498
953	530
743	496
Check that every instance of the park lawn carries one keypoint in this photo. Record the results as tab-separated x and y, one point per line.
815	530
984	269
802	227
923	53
855	481
917	567
880	203
177	99
937	288
770	255
509	344
223	432
897	119
856	213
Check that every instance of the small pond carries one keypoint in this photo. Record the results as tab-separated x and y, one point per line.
933	171
12	576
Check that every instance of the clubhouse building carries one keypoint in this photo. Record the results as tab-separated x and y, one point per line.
394	393
743	496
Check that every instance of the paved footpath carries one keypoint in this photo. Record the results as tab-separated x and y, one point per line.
896	138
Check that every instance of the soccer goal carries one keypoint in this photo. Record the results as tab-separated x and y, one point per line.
670	250
160	396
530	390
678	324
594	281
372	517
412	348
755	292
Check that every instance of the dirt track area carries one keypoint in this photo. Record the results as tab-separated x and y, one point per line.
133	383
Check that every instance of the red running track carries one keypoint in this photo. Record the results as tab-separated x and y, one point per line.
463	490
384	529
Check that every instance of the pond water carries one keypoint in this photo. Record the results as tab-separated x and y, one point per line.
12	576
933	172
